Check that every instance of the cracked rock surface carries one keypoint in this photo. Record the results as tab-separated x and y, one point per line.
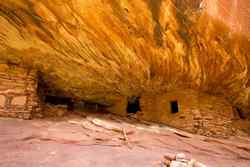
106	140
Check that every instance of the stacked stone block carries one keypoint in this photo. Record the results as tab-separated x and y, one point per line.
199	113
18	92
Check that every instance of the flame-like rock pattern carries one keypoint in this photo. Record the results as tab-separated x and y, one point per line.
235	13
98	50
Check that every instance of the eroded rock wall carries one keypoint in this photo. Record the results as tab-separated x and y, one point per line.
235	13
98	50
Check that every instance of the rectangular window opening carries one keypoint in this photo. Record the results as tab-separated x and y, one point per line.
174	106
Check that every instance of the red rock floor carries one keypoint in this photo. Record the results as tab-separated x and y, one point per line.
105	141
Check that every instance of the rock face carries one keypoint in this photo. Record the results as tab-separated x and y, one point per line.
102	50
235	13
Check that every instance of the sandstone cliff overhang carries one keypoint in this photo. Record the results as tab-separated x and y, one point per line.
100	51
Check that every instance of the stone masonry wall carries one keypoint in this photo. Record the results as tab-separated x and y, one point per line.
18	92
198	113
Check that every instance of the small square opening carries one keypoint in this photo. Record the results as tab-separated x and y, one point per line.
174	106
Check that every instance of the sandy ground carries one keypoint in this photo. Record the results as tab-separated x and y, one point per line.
100	140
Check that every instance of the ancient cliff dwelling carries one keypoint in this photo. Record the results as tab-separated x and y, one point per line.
125	83
18	96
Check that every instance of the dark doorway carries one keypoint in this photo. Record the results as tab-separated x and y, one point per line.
174	106
133	105
56	100
240	113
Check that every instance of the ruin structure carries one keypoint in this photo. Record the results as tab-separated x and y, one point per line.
186	109
18	92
